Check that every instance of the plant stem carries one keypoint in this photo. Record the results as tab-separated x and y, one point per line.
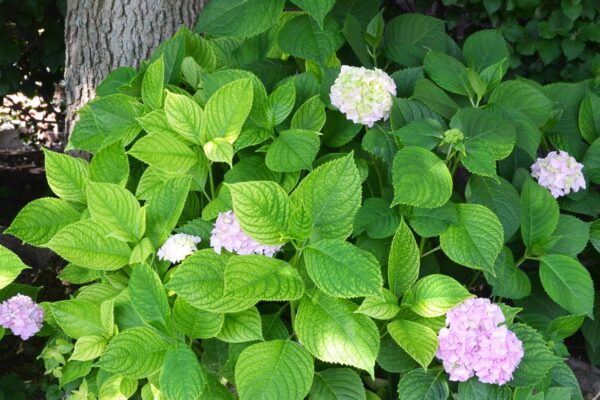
430	251
474	279
293	315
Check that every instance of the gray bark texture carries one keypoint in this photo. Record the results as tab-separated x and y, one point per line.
101	35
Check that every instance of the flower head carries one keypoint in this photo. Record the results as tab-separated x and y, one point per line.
364	95
228	234
559	172
22	316
177	247
474	344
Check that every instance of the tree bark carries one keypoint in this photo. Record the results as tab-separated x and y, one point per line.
101	35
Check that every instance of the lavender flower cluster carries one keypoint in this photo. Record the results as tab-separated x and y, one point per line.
22	316
473	344
559	172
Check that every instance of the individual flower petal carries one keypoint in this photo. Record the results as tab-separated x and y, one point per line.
559	172
177	247
22	316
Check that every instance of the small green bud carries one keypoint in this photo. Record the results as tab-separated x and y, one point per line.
453	136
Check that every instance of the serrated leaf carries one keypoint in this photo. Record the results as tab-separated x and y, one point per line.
434	221
116	206
420	385
87	243
591	162
447	72
302	37
293	150
300	223
341	269
525	98
134	353
67	176
258	278
404	261
563	327
337	383
153	83
262	209
310	116
317	9
562	375
473	389
273	370
148	297
110	165
281	102
161	150
184	116
376	218
243	18
420	178
538	359
41	219
11	267
570	237
510	281
331	194
181	376
485	48
196	323
419	341
539	213
589	122
568	283
79	318
434	295
240	327
88	348
426	133
476	240
435	98
380	308
164	207
343	337
219	150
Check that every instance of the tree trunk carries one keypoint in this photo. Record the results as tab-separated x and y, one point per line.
101	35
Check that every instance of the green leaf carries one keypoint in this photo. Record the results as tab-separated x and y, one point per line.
419	341
538	359
570	237
591	162
408	36
161	150
331	194
476	240
589	121
525	98
244	18
434	221
277	369
341	269
420	178
79	318
240	327
135	353
67	176
219	150
420	385
262	209
302	37
510	281
310	115
184	116
485	48
376	218
300	223
317	9
181	376
337	383
595	235
117	207
435	98
281	102
110	165
473	389
562	375
227	110
426	133
539	213
257	278
293	150
343	337
500	197
353	33
196	323
404	261
11	267
148	297
153	83
563	327
87	243
434	295
164	208
568	283
380	308
447	72
88	348
41	219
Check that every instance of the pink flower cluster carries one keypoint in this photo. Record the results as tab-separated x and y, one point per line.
559	172
474	344
22	316
228	234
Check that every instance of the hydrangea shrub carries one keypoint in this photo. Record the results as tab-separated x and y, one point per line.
312	202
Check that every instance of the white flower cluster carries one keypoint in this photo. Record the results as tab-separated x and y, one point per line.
177	247
559	172
364	95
